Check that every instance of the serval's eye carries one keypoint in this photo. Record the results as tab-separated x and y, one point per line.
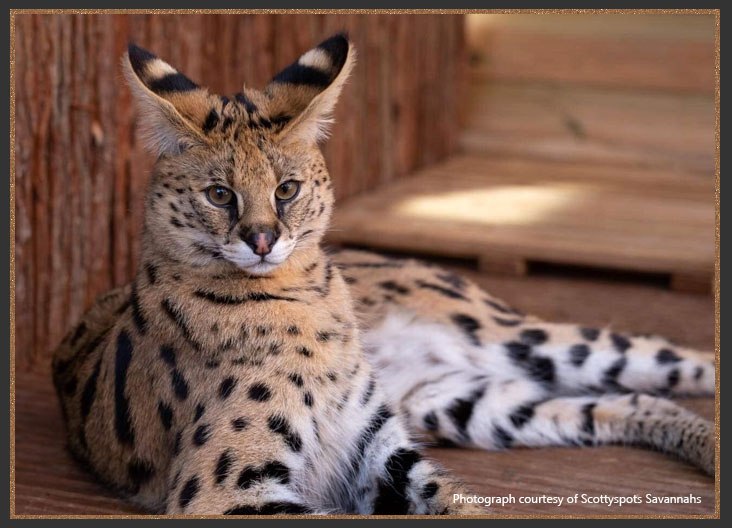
287	191
219	196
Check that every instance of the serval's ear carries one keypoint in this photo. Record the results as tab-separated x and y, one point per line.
305	93
174	112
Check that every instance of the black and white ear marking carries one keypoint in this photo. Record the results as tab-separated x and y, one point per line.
308	89
172	109
319	66
157	75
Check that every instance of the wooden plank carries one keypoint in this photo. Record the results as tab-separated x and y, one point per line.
661	52
549	212
692	282
565	123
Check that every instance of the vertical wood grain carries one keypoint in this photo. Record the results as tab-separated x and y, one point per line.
81	172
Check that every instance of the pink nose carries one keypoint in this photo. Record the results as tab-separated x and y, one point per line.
261	241
262	246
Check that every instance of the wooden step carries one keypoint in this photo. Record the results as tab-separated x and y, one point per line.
671	52
588	125
509	212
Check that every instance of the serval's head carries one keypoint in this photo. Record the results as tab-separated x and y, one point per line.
240	180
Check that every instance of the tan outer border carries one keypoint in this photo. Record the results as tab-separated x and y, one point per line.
715	12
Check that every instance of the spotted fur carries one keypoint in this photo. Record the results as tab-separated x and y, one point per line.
228	380
492	377
222	379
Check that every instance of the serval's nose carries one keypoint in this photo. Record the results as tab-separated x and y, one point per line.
260	239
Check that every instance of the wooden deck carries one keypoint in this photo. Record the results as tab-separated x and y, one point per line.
587	141
48	482
506	212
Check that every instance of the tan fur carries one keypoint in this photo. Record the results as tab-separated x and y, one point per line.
224	381
192	365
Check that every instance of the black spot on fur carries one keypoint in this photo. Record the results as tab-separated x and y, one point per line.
304	351
176	444
666	355
392	498
293	330
212	119
271	470
140	472
447	292
201	435
166	415
137	316
541	369
180	385
276	470
250	107
394	287
461	410
247	477
673	378
332	376
501	308
698	373
269	508
308	399
70	385
223	466
377	421
279	424
138	58
507	322
249	297
189	492
430	490
90	390
122	421
588	333
369	392
469	325
610	376
167	353
621	343
296	379
518	351
179	319
502	438
259	392
296	73
78	333
430	421
453	280
533	336
239	424
152	272
200	409
227	387
173	82
520	416
538	367
588	421
578	354
337	49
